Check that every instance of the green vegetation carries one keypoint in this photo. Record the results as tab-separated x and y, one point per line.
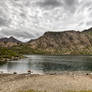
89	33
26	49
6	54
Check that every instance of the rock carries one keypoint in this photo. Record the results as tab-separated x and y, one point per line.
29	72
87	74
14	72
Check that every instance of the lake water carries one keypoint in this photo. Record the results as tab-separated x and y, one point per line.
39	64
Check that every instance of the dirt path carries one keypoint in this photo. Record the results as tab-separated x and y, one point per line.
50	83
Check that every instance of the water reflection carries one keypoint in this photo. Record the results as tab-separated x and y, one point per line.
48	64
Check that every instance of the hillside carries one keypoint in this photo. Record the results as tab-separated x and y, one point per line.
7	54
64	43
10	39
9	42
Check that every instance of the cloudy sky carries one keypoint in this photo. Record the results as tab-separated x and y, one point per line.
26	19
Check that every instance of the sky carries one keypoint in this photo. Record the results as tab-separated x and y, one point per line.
29	19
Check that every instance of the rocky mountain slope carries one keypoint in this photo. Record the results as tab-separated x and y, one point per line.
10	39
9	42
68	42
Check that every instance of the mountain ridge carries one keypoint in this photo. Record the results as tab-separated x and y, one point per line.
66	42
9	42
10	39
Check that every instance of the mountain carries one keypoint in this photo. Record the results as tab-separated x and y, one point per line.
63	43
54	43
10	39
9	42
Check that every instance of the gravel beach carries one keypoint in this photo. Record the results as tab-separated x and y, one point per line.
48	83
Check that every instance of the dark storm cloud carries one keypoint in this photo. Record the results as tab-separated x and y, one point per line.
49	3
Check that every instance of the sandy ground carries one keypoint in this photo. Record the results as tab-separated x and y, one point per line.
48	83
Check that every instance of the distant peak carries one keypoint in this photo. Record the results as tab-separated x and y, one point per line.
10	39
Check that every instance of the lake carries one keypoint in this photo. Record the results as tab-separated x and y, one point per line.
40	64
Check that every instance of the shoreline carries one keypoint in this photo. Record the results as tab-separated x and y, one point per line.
77	73
5	60
49	73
